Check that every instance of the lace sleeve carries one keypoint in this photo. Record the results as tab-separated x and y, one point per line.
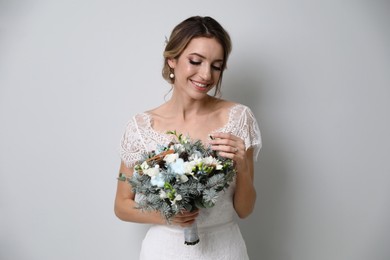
131	145
247	128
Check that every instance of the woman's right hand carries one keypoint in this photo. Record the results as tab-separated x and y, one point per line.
185	218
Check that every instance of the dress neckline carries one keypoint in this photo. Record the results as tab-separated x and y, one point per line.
219	129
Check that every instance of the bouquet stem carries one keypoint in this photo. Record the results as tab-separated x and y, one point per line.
191	235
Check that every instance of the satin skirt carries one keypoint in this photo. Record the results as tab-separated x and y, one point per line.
218	242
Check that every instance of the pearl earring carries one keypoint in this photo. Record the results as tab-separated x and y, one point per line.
171	75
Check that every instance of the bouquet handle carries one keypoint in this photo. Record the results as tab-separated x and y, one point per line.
191	235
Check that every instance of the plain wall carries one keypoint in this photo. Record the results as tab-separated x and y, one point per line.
315	73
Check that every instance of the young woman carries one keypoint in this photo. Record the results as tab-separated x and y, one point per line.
195	58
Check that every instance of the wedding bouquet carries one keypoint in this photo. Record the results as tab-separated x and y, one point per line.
181	176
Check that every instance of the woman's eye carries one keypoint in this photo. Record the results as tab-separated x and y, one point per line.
216	68
195	62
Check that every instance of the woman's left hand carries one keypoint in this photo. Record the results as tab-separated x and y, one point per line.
232	147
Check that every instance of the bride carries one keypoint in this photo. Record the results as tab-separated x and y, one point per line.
195	59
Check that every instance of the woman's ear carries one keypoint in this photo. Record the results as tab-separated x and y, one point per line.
172	63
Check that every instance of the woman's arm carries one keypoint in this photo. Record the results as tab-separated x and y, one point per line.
126	211
245	194
233	147
125	204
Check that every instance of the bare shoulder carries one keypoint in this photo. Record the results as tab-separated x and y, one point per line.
224	106
220	112
161	117
158	112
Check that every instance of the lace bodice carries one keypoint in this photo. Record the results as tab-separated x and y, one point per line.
140	137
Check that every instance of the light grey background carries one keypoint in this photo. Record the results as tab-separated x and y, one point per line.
315	73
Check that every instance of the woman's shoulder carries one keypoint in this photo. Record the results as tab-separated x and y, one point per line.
139	119
157	112
233	107
231	111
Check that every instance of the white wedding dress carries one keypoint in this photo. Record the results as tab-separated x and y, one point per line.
219	234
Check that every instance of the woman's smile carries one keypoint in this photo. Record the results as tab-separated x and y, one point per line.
200	86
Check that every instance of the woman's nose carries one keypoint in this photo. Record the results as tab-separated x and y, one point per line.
205	73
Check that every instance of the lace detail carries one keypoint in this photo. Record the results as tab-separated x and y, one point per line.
242	123
140	137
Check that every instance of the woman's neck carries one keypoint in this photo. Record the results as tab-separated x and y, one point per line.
186	107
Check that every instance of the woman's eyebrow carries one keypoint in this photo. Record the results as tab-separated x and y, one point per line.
203	57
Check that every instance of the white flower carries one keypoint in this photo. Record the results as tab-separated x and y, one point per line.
145	165
170	158
195	159
158	180
209	160
152	171
212	161
184	139
177	198
188	166
179	148
183	178
163	194
178	166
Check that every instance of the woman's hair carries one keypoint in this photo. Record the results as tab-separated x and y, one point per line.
195	27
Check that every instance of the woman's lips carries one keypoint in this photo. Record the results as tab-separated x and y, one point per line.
200	86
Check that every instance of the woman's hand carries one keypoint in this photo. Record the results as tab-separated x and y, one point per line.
185	219
232	147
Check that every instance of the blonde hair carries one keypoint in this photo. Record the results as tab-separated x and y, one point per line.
195	27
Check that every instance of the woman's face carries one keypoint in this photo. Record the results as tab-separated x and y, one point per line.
199	67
